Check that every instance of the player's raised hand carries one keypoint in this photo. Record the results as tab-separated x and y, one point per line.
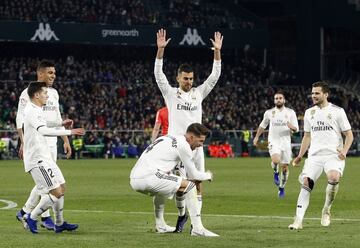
296	161
78	131
217	41
161	40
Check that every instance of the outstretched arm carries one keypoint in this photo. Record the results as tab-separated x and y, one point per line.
161	43
211	81
217	44
160	77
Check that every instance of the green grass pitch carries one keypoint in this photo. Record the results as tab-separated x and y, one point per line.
241	205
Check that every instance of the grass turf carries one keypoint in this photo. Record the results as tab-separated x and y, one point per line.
241	205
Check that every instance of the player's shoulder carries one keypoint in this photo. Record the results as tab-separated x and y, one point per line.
269	111
180	140
24	93
53	91
289	109
335	107
312	108
31	108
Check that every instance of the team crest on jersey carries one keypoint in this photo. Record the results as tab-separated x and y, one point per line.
329	116
178	94
312	113
273	113
193	97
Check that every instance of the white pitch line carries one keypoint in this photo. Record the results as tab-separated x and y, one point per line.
209	215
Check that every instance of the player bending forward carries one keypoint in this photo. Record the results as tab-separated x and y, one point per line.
152	174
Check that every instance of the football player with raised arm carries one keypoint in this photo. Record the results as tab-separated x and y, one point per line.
184	104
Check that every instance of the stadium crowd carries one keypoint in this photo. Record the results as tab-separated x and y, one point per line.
174	13
110	95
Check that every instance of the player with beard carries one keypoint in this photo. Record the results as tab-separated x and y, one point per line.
283	122
184	105
325	124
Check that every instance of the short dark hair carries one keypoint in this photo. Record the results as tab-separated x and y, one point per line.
185	68
280	92
198	129
324	86
45	63
35	87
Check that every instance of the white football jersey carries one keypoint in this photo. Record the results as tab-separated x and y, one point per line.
36	146
184	107
325	126
279	132
52	111
163	155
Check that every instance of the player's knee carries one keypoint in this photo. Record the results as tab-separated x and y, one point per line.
309	183
275	160
57	192
333	182
188	187
63	188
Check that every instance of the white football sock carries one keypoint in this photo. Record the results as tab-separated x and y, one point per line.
303	202
199	198
159	206
58	209
331	190
180	203
192	205
46	201
275	167
284	175
32	201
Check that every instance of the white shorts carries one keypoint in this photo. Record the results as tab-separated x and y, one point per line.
157	184
47	176
285	154
315	165
53	151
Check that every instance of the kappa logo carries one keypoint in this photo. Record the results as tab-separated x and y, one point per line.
192	38
44	32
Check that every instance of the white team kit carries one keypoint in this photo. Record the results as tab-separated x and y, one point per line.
325	126
279	137
38	159
52	115
185	108
152	173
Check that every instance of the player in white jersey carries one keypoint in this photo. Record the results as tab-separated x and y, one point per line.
45	73
324	125
38	160
283	122
152	174
184	103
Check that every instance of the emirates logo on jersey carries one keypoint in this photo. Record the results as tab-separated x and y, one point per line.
321	126
187	107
